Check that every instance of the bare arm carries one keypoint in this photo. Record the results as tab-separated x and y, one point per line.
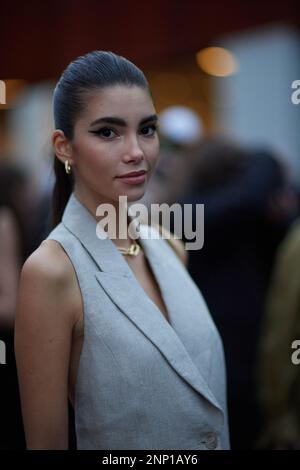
43	334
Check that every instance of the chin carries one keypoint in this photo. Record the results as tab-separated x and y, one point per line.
135	195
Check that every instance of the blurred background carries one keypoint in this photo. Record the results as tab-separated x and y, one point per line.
222	76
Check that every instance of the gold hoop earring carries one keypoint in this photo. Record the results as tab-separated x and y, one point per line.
68	167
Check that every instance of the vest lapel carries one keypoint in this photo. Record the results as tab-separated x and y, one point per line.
121	285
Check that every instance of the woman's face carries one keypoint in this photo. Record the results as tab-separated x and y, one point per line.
115	135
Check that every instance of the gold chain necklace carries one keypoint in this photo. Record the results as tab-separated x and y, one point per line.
133	250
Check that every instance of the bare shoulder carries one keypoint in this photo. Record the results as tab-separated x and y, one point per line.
50	263
48	277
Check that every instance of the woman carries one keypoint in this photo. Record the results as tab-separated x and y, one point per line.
117	326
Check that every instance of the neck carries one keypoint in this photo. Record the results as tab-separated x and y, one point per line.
115	222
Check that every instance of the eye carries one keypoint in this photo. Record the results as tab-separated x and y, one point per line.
152	128
105	132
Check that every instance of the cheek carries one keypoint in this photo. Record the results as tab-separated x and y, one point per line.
91	159
89	150
154	154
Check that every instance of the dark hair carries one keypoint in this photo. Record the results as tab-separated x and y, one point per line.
92	71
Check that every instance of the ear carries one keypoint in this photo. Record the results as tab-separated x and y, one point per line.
62	146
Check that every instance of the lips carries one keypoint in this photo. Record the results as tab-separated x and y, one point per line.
133	173
134	177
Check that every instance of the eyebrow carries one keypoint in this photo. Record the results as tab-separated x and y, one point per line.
121	122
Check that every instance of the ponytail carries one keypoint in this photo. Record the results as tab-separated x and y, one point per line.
63	188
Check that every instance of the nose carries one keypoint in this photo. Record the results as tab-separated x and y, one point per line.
133	151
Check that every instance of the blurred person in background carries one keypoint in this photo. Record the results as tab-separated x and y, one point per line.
248	206
279	376
13	252
10	245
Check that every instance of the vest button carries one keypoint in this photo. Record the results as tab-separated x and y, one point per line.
211	441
